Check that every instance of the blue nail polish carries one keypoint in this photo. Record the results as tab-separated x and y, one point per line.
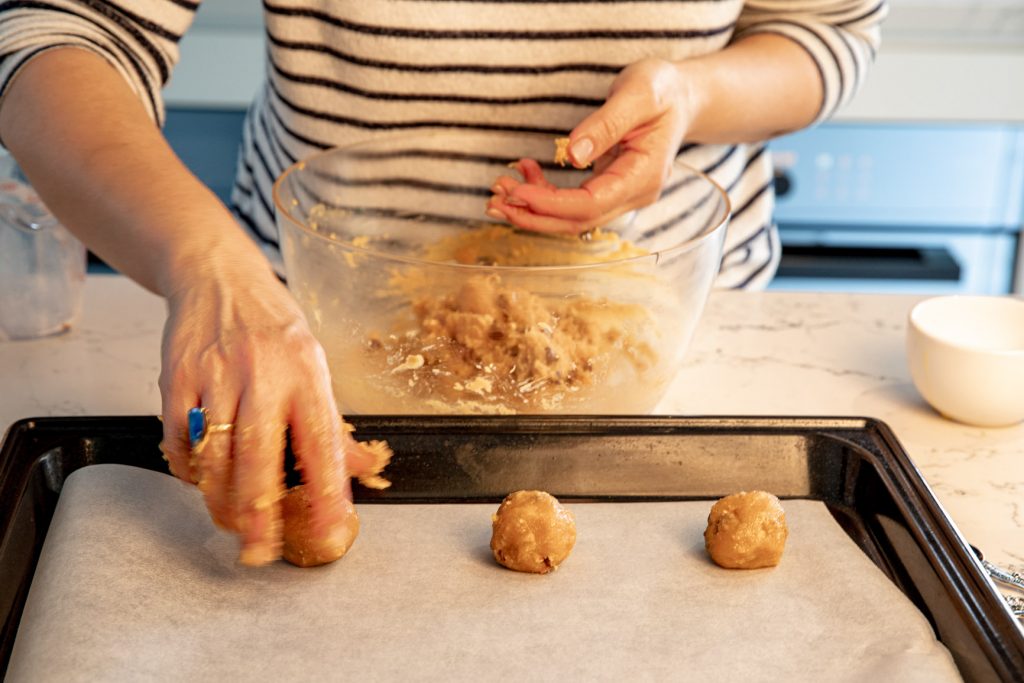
196	425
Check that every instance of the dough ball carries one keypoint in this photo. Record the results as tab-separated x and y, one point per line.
532	532
299	547
746	530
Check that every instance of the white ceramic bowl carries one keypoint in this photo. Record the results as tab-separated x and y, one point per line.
966	357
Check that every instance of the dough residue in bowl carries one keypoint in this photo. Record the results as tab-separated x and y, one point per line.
500	245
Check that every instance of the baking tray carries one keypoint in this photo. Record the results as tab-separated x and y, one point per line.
855	466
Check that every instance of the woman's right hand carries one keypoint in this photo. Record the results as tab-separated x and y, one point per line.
236	343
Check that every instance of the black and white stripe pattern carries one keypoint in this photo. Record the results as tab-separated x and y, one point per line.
341	71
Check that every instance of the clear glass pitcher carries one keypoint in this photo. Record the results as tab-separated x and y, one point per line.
42	265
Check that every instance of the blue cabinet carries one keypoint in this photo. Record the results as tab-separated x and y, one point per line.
207	140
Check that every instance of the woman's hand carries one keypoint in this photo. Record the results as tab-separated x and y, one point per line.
631	140
236	343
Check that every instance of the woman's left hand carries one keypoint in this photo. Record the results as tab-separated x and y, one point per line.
631	140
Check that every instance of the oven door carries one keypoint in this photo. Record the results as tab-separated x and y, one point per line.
875	260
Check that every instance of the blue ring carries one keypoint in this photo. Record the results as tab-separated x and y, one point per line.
196	426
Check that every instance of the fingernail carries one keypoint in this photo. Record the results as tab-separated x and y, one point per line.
495	214
497	189
581	151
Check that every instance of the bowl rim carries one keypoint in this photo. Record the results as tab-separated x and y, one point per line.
682	247
914	322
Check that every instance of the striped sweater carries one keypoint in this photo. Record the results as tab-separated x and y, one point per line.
341	71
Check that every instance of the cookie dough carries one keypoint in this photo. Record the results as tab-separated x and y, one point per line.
368	457
501	245
746	530
300	548
497	343
561	151
532	532
509	347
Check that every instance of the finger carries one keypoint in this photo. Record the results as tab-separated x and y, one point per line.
533	174
633	179
257	475
494	213
213	462
504	186
319	444
499	188
176	399
525	219
602	163
626	109
496	208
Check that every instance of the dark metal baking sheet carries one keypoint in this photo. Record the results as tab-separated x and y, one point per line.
855	466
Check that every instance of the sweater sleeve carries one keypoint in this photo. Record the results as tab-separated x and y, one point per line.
841	36
139	38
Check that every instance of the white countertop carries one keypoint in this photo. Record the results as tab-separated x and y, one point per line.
767	353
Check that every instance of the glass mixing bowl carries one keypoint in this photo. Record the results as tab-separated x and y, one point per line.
424	305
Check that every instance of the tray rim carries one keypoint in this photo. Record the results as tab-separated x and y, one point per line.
956	564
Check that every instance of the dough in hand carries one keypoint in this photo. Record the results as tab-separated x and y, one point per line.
532	532
562	151
562	154
746	530
299	547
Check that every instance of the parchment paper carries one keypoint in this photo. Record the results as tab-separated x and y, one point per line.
135	583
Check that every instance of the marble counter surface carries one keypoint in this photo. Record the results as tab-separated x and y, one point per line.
754	354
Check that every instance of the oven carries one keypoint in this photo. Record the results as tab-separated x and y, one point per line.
916	208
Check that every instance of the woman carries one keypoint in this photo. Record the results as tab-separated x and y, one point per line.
704	80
